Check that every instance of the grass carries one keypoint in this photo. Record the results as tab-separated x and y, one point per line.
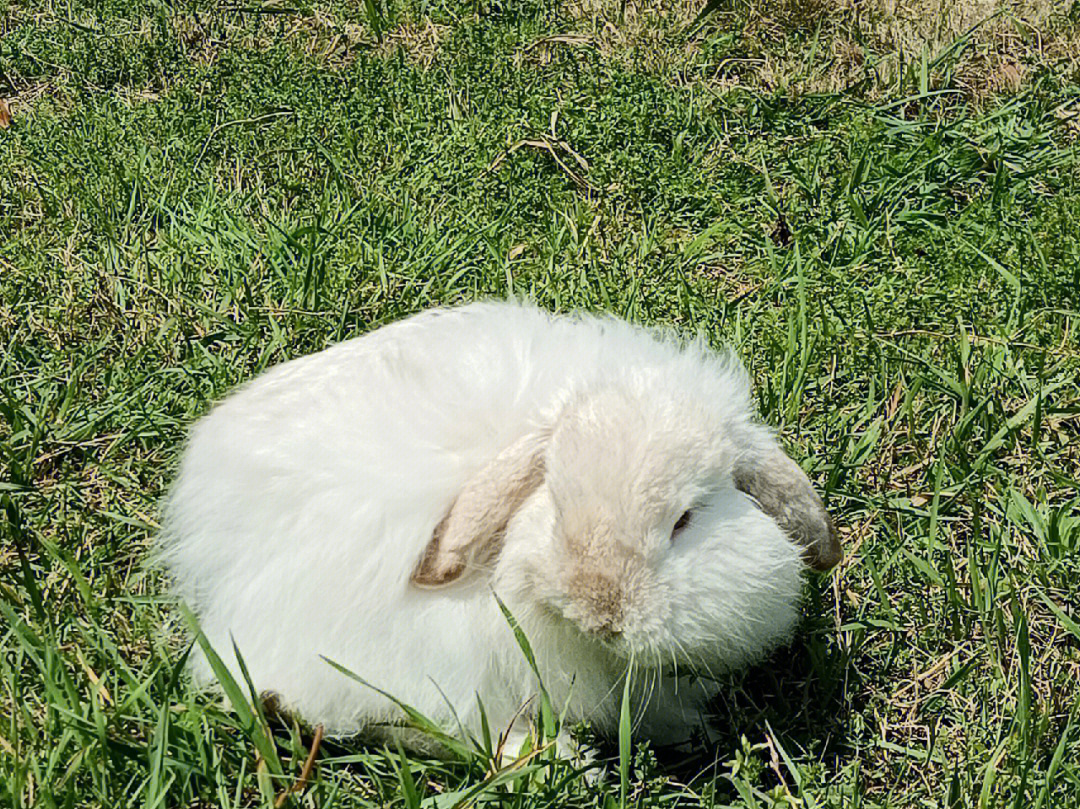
192	192
870	47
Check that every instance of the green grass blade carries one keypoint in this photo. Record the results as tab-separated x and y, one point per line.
625	734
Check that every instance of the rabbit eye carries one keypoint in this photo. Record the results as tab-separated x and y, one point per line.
681	523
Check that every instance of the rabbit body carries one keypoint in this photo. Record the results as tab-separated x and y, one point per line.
324	510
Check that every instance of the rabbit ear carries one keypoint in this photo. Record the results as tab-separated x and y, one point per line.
785	493
471	531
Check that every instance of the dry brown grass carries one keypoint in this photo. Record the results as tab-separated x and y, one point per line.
320	35
806	46
419	42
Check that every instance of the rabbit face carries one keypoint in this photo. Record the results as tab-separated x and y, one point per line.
638	536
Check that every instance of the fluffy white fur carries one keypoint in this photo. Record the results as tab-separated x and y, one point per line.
307	498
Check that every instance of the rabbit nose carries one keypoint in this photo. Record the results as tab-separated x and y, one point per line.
600	601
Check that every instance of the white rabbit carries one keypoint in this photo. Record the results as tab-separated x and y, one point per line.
610	484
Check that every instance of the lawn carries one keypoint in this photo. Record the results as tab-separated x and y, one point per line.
878	207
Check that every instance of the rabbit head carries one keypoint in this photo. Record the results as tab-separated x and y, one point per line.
651	519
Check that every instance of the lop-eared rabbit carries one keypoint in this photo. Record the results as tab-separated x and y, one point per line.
611	485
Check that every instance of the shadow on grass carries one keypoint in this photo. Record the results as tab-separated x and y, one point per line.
797	704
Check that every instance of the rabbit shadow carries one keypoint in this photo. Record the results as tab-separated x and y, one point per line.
798	702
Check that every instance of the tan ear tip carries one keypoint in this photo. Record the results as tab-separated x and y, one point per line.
826	558
431	573
827	552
